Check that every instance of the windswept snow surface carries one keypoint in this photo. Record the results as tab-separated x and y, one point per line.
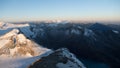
20	62
7	61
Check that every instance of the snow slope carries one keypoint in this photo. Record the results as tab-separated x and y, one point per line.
20	62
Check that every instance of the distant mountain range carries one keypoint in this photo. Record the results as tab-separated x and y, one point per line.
96	42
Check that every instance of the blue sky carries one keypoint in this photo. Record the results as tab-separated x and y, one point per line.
33	10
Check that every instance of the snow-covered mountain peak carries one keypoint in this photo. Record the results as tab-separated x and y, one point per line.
15	44
88	32
17	51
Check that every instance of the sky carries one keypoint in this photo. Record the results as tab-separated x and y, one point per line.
37	10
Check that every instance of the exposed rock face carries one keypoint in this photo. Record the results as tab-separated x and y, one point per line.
61	58
15	44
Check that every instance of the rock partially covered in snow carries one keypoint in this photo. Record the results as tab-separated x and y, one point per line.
75	31
88	32
61	58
